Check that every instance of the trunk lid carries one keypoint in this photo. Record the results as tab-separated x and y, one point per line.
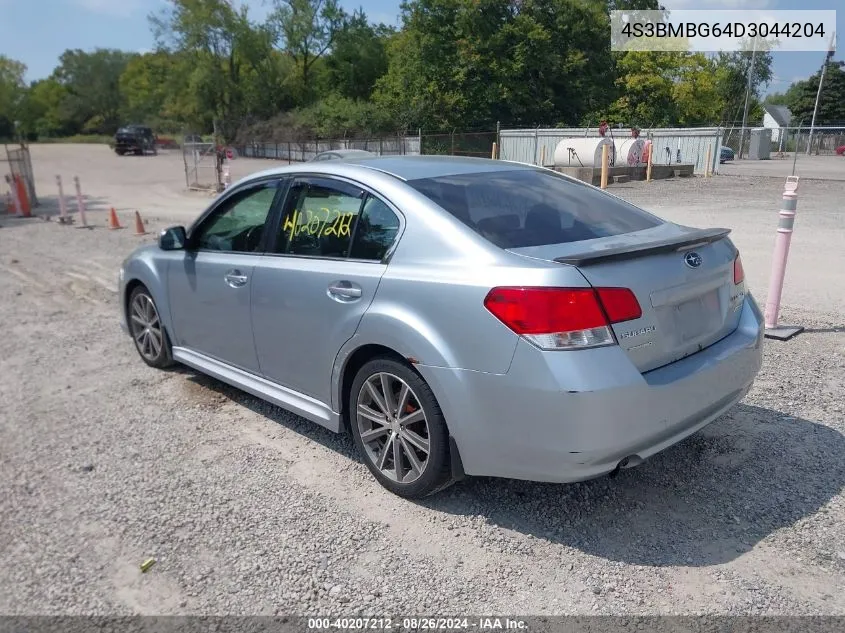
683	279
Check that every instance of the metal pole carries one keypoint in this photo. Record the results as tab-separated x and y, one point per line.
498	136
827	59
707	164
62	203
604	166
650	158
747	97
786	222
80	203
797	140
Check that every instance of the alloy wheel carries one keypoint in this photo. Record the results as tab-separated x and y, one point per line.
146	327
393	427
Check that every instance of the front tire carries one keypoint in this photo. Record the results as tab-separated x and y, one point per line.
399	429
147	330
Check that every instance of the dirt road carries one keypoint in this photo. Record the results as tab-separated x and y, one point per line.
250	510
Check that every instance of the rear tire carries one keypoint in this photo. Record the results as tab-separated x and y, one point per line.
147	330
402	438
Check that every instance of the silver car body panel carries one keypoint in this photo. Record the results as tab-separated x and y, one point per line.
513	409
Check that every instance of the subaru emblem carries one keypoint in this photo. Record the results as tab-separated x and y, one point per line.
692	259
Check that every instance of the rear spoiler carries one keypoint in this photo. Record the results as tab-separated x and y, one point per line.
695	237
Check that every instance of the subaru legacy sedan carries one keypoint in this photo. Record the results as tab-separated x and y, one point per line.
457	316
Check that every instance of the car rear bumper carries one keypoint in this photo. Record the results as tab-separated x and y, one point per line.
573	415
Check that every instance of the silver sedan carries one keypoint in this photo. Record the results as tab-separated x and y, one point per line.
456	316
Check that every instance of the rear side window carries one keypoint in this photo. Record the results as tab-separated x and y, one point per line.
375	231
528	207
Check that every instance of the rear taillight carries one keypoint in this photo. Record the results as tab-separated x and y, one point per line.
563	318
739	273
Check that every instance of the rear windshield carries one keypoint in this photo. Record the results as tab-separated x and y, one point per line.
527	207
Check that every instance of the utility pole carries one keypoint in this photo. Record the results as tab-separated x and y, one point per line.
827	59
747	96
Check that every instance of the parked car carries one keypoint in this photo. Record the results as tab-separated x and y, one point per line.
725	154
340	154
136	139
455	315
840	151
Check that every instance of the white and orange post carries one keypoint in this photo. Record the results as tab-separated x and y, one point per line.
786	222
80	203
63	218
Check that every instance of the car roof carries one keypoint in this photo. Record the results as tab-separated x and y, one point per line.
402	167
348	152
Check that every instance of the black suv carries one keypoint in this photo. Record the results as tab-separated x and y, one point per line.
136	139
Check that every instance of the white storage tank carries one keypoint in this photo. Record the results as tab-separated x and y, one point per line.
583	152
630	151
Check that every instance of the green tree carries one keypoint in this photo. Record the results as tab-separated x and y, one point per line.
358	57
12	92
732	77
801	97
223	50
150	85
93	101
469	63
306	30
43	113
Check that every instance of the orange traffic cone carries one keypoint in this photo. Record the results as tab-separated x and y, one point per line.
113	221
139	224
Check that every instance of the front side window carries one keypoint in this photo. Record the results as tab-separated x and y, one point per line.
238	225
528	207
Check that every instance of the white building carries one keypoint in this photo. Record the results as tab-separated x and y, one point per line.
777	118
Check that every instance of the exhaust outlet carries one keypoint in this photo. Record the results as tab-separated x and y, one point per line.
626	462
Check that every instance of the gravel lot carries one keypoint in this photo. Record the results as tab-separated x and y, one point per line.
250	510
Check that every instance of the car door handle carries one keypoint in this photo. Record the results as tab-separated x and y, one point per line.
235	278
344	290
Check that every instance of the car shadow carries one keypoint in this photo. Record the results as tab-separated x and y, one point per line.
704	501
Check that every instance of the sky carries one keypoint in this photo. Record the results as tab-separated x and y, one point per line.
36	32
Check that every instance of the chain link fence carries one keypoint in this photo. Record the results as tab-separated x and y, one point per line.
305	150
202	172
823	141
20	164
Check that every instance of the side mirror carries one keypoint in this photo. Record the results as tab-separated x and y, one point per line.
173	239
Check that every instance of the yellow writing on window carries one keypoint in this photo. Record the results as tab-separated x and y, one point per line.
320	223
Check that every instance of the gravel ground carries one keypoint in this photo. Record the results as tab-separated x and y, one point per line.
250	510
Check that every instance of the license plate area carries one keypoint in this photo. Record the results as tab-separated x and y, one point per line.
697	317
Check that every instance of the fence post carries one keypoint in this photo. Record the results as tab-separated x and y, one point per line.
493	154
707	164
80	203
786	222
651	147
63	218
453	142
498	138
604	154
543	156
536	141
